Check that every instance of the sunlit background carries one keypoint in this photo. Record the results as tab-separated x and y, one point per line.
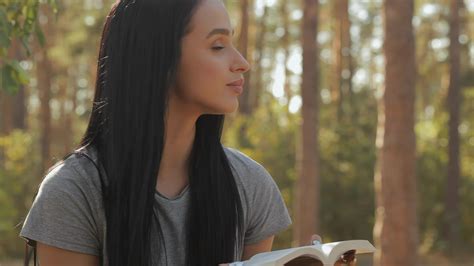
44	118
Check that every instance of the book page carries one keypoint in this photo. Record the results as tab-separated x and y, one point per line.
304	261
280	257
326	254
334	250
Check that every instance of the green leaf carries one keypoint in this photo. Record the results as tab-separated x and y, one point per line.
13	76
24	42
3	51
40	36
18	73
7	81
4	30
4	40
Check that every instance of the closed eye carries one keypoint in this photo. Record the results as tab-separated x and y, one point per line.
217	48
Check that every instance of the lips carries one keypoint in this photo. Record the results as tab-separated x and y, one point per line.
239	83
237	86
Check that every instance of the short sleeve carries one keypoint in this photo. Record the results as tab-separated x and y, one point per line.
268	214
62	213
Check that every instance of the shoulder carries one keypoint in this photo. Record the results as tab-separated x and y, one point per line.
264	208
241	160
63	174
67	211
250	174
73	176
244	164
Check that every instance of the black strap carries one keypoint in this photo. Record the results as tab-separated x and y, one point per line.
34	256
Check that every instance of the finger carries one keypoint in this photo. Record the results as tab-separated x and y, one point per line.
316	237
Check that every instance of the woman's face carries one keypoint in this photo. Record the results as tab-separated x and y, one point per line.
209	62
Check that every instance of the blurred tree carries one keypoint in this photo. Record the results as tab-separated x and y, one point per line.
285	45
341	74
452	226
307	188
67	103
44	73
259	55
430	31
13	105
70	92
396	225
245	102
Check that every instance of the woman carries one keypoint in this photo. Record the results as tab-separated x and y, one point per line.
151	183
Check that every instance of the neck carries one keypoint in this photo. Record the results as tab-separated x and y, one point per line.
180	130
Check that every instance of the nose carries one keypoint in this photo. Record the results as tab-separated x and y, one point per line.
240	65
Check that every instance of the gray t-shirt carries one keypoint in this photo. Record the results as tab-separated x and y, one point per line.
68	211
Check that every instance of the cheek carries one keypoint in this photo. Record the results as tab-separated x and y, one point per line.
210	69
202	82
203	74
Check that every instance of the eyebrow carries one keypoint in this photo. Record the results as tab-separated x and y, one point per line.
219	31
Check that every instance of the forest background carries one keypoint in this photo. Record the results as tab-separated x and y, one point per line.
362	115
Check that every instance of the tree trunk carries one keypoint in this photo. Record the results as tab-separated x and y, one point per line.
6	112
260	52
11	114
307	194
395	231
245	99
43	74
341	82
19	99
336	72
348	71
19	108
65	128
452	229
285	43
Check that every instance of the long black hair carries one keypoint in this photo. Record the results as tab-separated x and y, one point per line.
138	59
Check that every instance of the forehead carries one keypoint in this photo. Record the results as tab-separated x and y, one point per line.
210	14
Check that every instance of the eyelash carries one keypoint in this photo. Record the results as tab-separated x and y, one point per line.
218	48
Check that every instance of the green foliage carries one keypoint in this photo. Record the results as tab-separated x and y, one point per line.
17	183
431	174
269	139
18	20
347	162
12	75
432	161
467	166
347	169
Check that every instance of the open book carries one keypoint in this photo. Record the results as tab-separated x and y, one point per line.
327	253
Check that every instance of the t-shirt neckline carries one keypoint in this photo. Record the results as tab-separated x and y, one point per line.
179	196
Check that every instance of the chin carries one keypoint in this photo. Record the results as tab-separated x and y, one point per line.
224	109
231	108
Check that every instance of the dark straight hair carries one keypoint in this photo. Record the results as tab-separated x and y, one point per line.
139	54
